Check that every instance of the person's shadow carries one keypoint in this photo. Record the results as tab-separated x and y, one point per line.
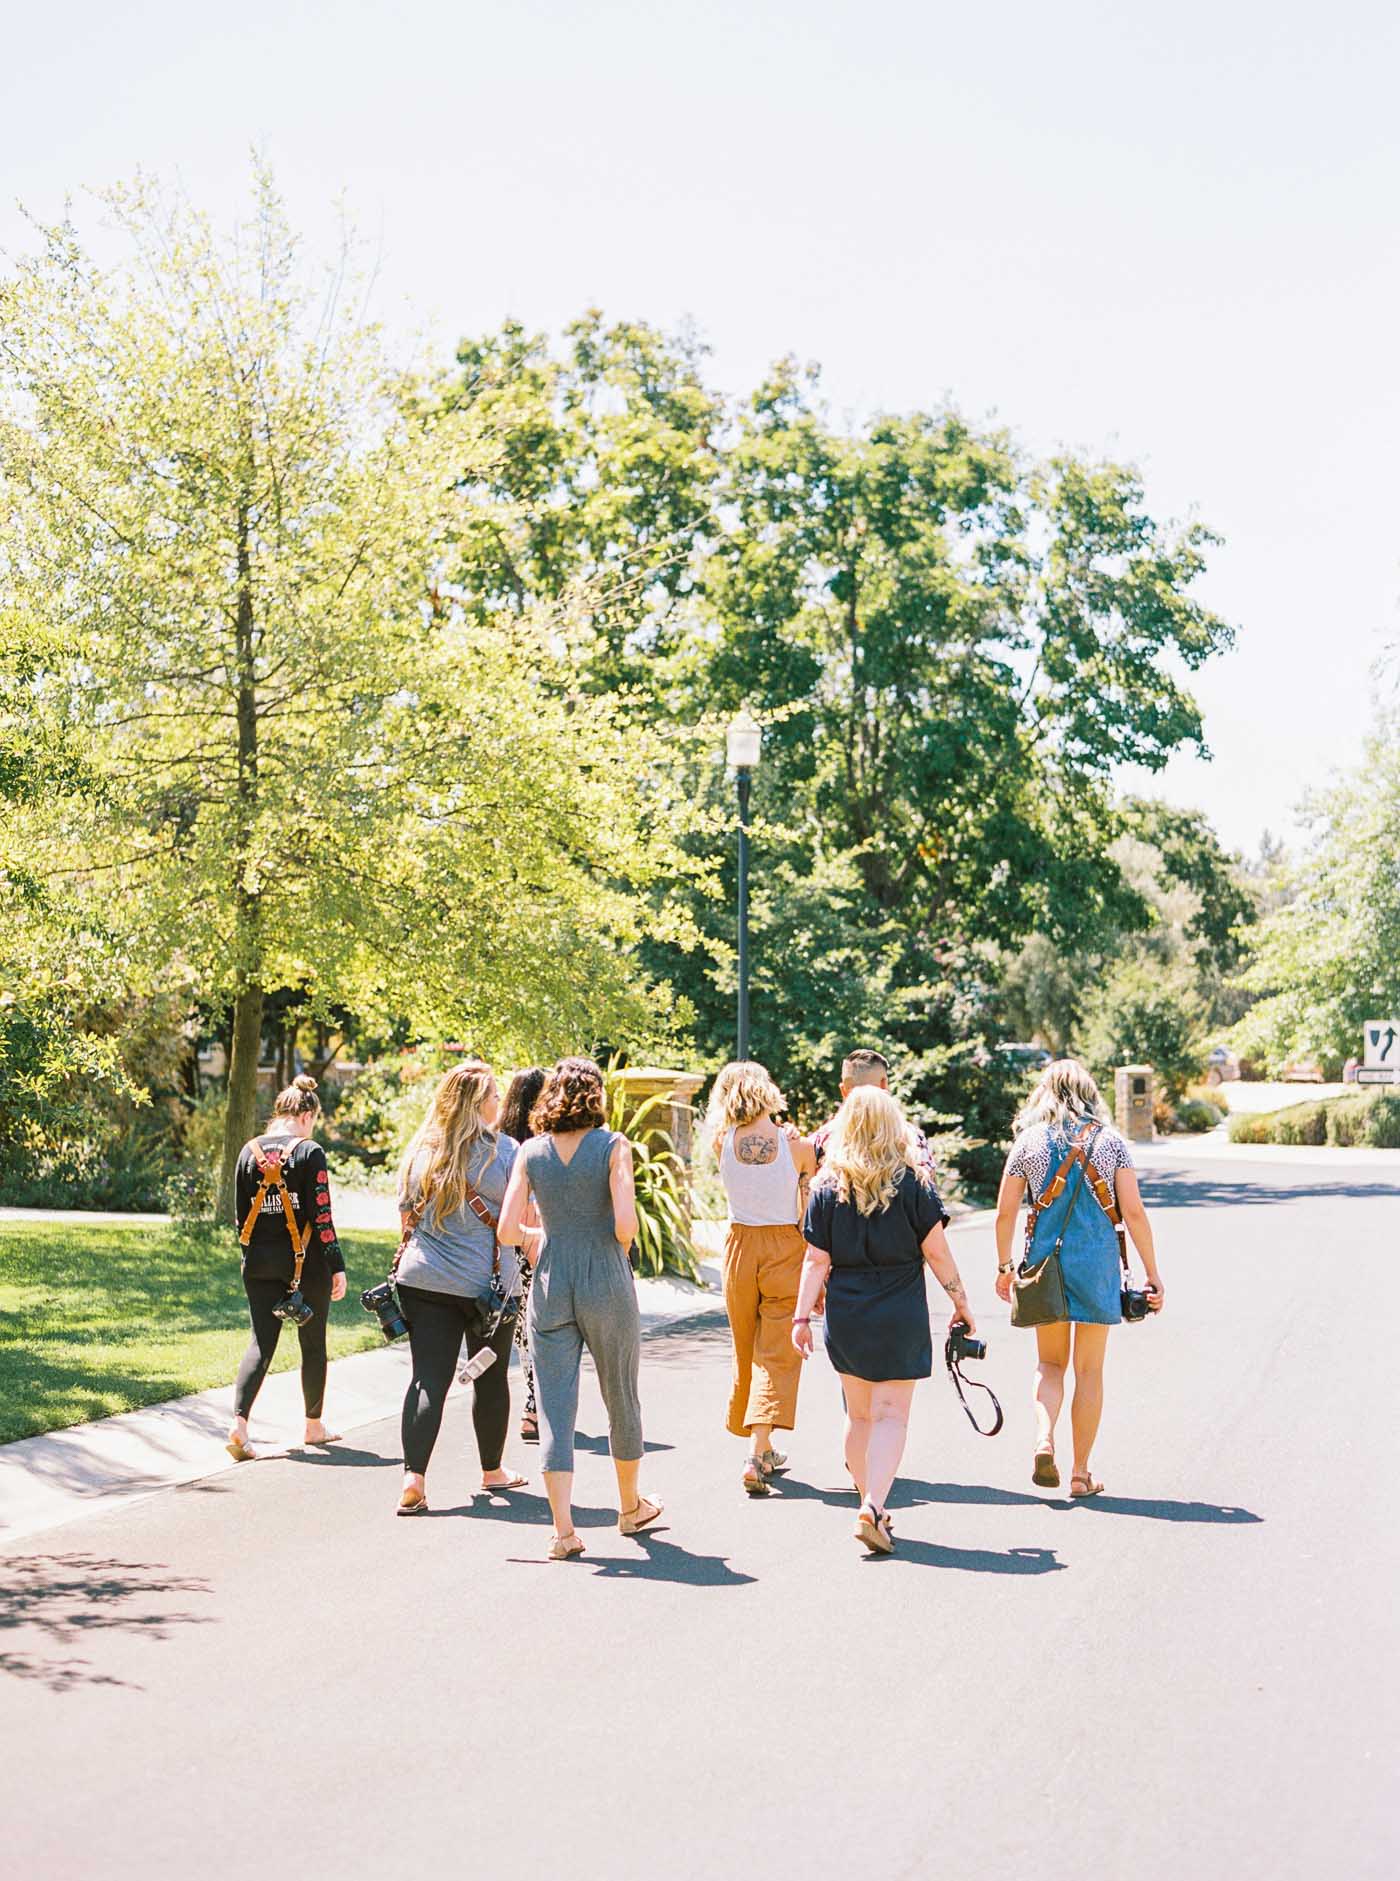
656	1560
1153	1508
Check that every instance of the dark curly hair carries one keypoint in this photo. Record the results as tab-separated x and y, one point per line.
521	1098
573	1098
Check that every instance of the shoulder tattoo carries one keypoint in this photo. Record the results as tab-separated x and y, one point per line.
755	1148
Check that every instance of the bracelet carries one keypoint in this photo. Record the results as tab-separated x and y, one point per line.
805	1320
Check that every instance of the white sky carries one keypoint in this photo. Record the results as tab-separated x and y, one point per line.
1167	233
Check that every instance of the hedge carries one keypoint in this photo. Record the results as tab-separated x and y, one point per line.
1370	1121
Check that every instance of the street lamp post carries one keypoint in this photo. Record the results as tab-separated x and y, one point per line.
744	740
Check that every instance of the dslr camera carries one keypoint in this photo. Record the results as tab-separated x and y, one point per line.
1135	1302
961	1345
383	1302
292	1306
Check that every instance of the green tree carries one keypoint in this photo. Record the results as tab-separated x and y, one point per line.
1142	1016
1328	958
236	521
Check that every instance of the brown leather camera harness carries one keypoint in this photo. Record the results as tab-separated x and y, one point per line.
1102	1193
271	1176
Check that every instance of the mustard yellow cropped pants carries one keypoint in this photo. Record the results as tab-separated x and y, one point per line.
762	1267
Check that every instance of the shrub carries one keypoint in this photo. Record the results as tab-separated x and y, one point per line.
663	1187
1347	1119
1382	1122
1194	1114
1252	1129
1213	1094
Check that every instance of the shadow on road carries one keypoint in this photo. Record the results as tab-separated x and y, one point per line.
975	1560
598	1446
667	1561
1199	1188
909	1490
343	1456
684	1340
65	1597
659	1560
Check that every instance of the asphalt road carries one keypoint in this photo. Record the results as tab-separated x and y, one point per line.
268	1675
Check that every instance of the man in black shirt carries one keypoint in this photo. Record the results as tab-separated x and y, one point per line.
281	1167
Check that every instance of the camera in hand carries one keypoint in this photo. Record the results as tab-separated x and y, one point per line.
1135	1302
292	1306
961	1345
383	1302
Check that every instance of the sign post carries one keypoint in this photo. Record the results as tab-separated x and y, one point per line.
1380	1045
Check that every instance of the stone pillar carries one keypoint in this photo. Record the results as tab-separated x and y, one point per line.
674	1110
1134	1093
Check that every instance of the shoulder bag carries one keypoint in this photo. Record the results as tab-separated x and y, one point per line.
1038	1288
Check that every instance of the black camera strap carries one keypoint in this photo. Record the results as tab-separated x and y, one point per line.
955	1372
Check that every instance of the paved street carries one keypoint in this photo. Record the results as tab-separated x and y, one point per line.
266	1674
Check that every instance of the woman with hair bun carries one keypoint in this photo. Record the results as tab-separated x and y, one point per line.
762	1168
292	1264
578	1173
1064	1118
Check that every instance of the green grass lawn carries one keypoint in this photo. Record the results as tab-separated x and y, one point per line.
101	1319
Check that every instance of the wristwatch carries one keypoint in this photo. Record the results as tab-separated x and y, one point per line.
1006	1267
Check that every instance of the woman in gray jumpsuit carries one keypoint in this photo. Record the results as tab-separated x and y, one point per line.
579	1175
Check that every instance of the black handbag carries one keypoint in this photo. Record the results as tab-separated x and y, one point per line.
1038	1288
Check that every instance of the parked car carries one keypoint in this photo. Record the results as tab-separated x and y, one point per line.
1302	1071
1222	1066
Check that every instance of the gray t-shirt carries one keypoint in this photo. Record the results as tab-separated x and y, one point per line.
455	1257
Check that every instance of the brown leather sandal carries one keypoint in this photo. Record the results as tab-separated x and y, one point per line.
639	1516
1045	1474
1091	1488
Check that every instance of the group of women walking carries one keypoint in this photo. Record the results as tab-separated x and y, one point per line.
517	1219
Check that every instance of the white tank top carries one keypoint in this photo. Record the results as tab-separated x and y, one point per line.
761	1195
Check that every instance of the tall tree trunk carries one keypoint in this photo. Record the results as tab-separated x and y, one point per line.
240	1114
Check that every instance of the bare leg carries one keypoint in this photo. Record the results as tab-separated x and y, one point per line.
1090	1348
889	1427
1052	1361
857	1393
559	1487
760	1439
627	1482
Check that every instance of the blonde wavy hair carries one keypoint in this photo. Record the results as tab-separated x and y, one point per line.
449	1133
869	1149
743	1092
1065	1094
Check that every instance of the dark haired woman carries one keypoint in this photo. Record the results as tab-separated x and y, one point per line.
579	1175
282	1170
520	1100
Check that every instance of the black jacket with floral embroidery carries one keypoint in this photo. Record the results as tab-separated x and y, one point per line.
268	1255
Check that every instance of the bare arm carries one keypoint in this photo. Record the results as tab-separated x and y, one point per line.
510	1229
1130	1206
815	1267
1009	1198
623	1187
938	1256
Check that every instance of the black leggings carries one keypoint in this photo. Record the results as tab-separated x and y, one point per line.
263	1295
437	1323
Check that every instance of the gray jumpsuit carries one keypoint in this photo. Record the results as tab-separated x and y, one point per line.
582	1295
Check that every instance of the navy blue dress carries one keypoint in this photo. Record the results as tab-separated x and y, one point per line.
877	1323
